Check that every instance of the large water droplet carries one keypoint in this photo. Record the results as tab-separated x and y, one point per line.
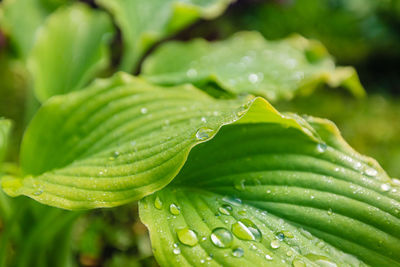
174	209
321	260
204	133
187	237
158	203
238	252
225	209
233	201
275	244
371	172
298	263
221	237
246	230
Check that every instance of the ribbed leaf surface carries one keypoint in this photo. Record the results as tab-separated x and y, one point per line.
247	63
70	49
114	142
143	23
282	199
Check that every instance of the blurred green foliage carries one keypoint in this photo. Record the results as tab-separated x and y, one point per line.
354	32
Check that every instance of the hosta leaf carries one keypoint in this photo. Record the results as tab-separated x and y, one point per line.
281	199
21	19
116	141
5	128
143	23
247	63
71	48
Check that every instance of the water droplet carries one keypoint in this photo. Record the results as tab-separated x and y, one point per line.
312	197
321	147
38	192
221	237
371	172
289	253
174	209
176	251
204	134
253	78
202	261
321	260
191	73
232	200
385	187
268	257
275	244
238	252
203	119
280	236
330	211
268	191
187	237
158	203
143	110
298	263
246	230
239	185
225	209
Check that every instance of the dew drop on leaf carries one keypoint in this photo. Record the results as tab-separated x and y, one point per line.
174	209
298	263
221	237
204	134
225	209
371	172
238	252
275	244
176	251
385	187
143	110
187	237
246	230
239	185
321	260
268	257
232	200
191	73
321	147
203	119
158	203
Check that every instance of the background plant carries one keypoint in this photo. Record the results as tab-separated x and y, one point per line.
119	139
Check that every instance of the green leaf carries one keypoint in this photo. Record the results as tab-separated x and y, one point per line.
71	48
281	198
143	23
21	19
116	141
247	63
5	128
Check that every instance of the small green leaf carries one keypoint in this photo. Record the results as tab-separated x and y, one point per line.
116	141
5	128
22	18
286	199
247	63
143	23
71	48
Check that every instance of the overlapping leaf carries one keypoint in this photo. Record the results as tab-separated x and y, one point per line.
247	63
114	142
22	18
143	23
268	195
71	48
